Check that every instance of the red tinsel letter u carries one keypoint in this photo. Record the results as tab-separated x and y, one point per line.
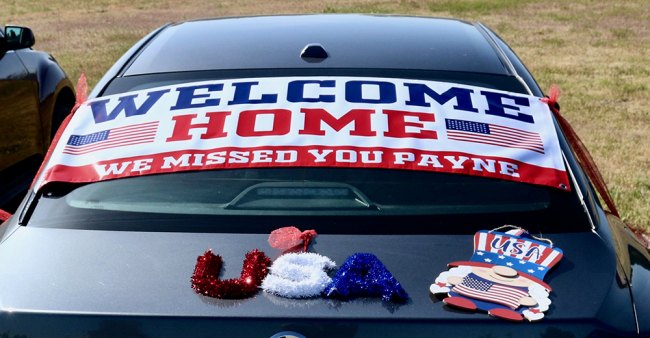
205	279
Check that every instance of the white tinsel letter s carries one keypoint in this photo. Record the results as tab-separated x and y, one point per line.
298	275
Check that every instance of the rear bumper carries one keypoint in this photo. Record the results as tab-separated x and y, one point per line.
476	325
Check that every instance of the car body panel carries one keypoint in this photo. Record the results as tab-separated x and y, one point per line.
53	85
137	283
148	274
35	95
20	122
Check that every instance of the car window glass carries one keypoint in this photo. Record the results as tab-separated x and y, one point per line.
312	192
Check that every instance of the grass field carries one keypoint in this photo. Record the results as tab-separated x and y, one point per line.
598	52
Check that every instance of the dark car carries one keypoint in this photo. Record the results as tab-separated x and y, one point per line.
35	97
379	177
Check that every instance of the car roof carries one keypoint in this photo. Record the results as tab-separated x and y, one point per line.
351	41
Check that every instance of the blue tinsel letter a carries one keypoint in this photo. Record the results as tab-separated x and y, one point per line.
364	275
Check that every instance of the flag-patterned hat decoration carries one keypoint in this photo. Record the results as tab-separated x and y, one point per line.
504	276
515	249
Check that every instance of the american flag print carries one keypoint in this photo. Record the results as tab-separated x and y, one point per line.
518	248
111	138
493	134
479	288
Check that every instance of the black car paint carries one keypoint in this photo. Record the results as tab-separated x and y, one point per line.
153	283
619	266
35	96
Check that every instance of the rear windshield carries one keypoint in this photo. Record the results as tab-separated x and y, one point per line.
349	40
339	200
146	81
332	199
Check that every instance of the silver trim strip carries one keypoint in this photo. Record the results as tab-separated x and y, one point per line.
580	194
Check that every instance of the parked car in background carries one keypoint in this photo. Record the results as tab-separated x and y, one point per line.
35	97
416	156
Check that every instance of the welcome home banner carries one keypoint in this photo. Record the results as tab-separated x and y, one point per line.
311	122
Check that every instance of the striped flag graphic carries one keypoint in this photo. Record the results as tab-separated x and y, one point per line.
111	138
493	134
479	288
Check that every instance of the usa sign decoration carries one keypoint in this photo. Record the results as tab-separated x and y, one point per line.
311	122
504	276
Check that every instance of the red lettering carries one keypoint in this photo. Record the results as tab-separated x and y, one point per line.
205	279
360	117
397	124
214	127
281	122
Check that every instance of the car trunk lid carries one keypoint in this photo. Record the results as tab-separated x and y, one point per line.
142	280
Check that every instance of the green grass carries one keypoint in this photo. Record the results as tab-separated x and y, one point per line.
475	7
597	51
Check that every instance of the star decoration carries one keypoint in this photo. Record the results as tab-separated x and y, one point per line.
541	268
509	264
502	256
480	253
522	262
488	260
531	271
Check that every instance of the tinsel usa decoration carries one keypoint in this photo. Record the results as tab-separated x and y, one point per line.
364	275
298	274
205	279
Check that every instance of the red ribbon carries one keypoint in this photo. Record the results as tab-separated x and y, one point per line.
82	91
288	238
4	216
583	155
551	99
